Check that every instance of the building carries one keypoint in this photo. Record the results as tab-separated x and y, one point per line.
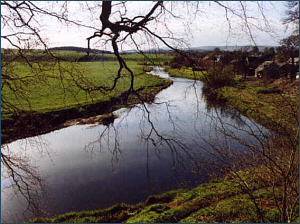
268	69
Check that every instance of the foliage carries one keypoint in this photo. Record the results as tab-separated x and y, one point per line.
219	76
255	49
179	60
290	49
278	152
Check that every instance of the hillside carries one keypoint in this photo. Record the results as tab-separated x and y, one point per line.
79	49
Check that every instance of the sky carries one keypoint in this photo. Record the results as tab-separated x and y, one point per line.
209	26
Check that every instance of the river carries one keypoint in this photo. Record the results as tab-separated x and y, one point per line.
149	149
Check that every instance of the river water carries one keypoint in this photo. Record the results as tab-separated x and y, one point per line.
149	149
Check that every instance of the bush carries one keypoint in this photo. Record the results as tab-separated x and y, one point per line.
175	65
219	76
236	210
180	60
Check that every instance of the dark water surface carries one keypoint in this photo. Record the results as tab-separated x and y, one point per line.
86	167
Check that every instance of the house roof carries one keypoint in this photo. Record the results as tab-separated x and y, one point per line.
264	65
209	57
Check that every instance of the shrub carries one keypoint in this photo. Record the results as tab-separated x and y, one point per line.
272	215
219	76
236	210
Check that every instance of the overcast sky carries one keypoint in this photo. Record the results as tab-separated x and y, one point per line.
208	27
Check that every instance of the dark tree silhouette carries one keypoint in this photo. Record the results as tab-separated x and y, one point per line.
290	47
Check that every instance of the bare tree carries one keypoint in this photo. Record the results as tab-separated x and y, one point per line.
292	15
290	47
117	28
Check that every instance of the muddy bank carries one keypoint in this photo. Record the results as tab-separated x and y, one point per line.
27	124
105	119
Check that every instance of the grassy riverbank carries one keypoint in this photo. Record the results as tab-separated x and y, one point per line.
61	91
185	72
273	104
220	201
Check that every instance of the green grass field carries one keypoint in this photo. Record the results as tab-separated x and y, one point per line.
56	87
44	85
68	55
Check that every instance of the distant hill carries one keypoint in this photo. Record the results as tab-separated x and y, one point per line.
230	48
79	49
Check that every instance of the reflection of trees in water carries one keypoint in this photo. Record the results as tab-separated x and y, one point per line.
155	138
214	104
108	140
184	150
22	179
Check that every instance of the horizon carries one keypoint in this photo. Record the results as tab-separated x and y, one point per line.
163	48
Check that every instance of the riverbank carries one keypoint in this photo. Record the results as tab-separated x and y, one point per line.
220	201
27	124
272	103
185	72
55	104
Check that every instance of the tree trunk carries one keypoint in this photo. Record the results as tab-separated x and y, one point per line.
293	73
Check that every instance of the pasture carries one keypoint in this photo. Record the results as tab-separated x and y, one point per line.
57	86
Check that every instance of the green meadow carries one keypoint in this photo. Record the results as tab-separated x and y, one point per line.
64	85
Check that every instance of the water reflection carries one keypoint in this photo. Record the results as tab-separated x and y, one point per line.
149	149
21	182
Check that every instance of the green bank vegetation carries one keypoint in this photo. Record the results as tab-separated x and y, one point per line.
185	72
54	93
274	105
